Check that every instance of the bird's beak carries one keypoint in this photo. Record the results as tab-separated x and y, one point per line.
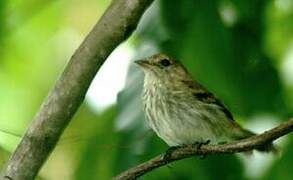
143	63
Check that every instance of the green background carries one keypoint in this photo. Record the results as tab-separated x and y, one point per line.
242	50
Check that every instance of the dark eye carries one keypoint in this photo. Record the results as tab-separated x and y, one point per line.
165	62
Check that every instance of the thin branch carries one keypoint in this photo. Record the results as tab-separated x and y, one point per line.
117	23
188	151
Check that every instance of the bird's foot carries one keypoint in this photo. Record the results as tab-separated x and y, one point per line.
198	145
168	153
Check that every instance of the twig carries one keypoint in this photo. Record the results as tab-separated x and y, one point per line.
188	151
117	23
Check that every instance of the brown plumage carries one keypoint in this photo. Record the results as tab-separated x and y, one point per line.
180	110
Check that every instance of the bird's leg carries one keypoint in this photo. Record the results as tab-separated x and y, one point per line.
169	152
198	146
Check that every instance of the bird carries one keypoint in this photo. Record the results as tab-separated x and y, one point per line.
181	111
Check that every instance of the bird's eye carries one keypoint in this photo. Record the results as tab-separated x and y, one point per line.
165	62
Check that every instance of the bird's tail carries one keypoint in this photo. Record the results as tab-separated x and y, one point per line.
268	148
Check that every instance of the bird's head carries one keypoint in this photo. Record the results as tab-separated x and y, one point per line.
162	67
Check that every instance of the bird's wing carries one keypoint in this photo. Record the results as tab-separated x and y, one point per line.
209	98
202	94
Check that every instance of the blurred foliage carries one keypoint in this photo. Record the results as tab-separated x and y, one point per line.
228	56
236	48
211	49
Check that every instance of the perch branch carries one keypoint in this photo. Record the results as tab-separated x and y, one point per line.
188	151
116	24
